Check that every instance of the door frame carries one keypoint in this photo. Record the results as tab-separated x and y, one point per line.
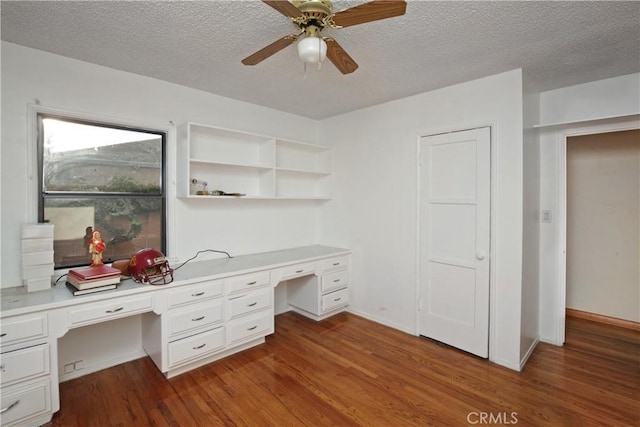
591	127
493	137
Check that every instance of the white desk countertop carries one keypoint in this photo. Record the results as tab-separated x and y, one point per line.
17	301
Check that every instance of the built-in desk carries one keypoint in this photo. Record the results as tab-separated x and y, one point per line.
211	310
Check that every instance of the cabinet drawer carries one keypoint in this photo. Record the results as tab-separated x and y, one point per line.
20	365
334	300
114	309
255	301
19	329
197	316
195	293
247	282
196	346
334	281
255	326
298	270
19	404
335	263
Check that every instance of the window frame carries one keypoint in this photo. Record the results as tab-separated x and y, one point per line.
42	195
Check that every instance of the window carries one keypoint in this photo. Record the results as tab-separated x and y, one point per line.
97	176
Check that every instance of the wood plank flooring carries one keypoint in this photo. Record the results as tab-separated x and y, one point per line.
348	371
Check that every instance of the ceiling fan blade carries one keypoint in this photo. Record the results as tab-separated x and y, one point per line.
285	8
341	59
267	51
368	12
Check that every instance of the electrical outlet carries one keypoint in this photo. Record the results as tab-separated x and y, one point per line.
68	368
78	365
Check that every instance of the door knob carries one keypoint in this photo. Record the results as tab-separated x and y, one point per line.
479	256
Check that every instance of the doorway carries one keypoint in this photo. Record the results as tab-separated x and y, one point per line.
454	241
603	225
592	127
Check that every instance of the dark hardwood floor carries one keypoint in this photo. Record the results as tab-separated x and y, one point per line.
348	371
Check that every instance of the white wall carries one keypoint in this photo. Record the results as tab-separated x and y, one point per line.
615	97
531	227
374	209
606	105
603	224
237	226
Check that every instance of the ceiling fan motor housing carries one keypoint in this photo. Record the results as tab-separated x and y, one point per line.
314	9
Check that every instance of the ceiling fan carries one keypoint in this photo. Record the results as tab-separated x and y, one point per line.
313	16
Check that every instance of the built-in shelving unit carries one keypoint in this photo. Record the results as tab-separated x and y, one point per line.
260	167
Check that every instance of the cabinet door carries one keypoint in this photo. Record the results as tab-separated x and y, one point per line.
195	317
196	346
101	312
21	403
333	281
18	329
250	327
334	300
21	365
248	282
195	293
250	303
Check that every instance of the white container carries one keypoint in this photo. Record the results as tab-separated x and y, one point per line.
37	284
37	231
37	245
37	258
37	271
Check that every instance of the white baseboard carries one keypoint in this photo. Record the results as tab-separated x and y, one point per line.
62	377
532	347
381	321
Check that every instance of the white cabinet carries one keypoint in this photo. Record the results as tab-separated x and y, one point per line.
26	372
324	294
254	165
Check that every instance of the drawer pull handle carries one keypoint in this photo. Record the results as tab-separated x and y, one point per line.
252	304
252	283
336	281
4	334
197	319
299	271
337	299
336	263
13	405
252	328
198	347
115	310
198	294
2	367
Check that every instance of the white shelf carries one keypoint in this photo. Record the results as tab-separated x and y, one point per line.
261	167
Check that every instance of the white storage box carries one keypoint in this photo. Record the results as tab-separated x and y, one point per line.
37	258
37	271
37	231
38	284
37	245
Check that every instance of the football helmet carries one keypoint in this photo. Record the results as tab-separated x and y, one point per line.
150	267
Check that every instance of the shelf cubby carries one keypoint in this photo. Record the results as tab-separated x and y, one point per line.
255	165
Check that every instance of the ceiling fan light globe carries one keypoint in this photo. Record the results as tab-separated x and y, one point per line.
312	49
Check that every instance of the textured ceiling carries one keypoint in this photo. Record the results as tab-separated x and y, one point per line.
436	44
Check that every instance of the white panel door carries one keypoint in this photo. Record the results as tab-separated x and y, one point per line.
454	239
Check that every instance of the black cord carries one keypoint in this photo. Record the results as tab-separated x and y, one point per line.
58	279
199	252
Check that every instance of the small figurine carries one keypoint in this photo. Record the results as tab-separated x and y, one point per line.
96	246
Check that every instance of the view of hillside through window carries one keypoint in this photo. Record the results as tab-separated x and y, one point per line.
101	177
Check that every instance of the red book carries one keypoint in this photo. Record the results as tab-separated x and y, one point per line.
94	272
86	284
